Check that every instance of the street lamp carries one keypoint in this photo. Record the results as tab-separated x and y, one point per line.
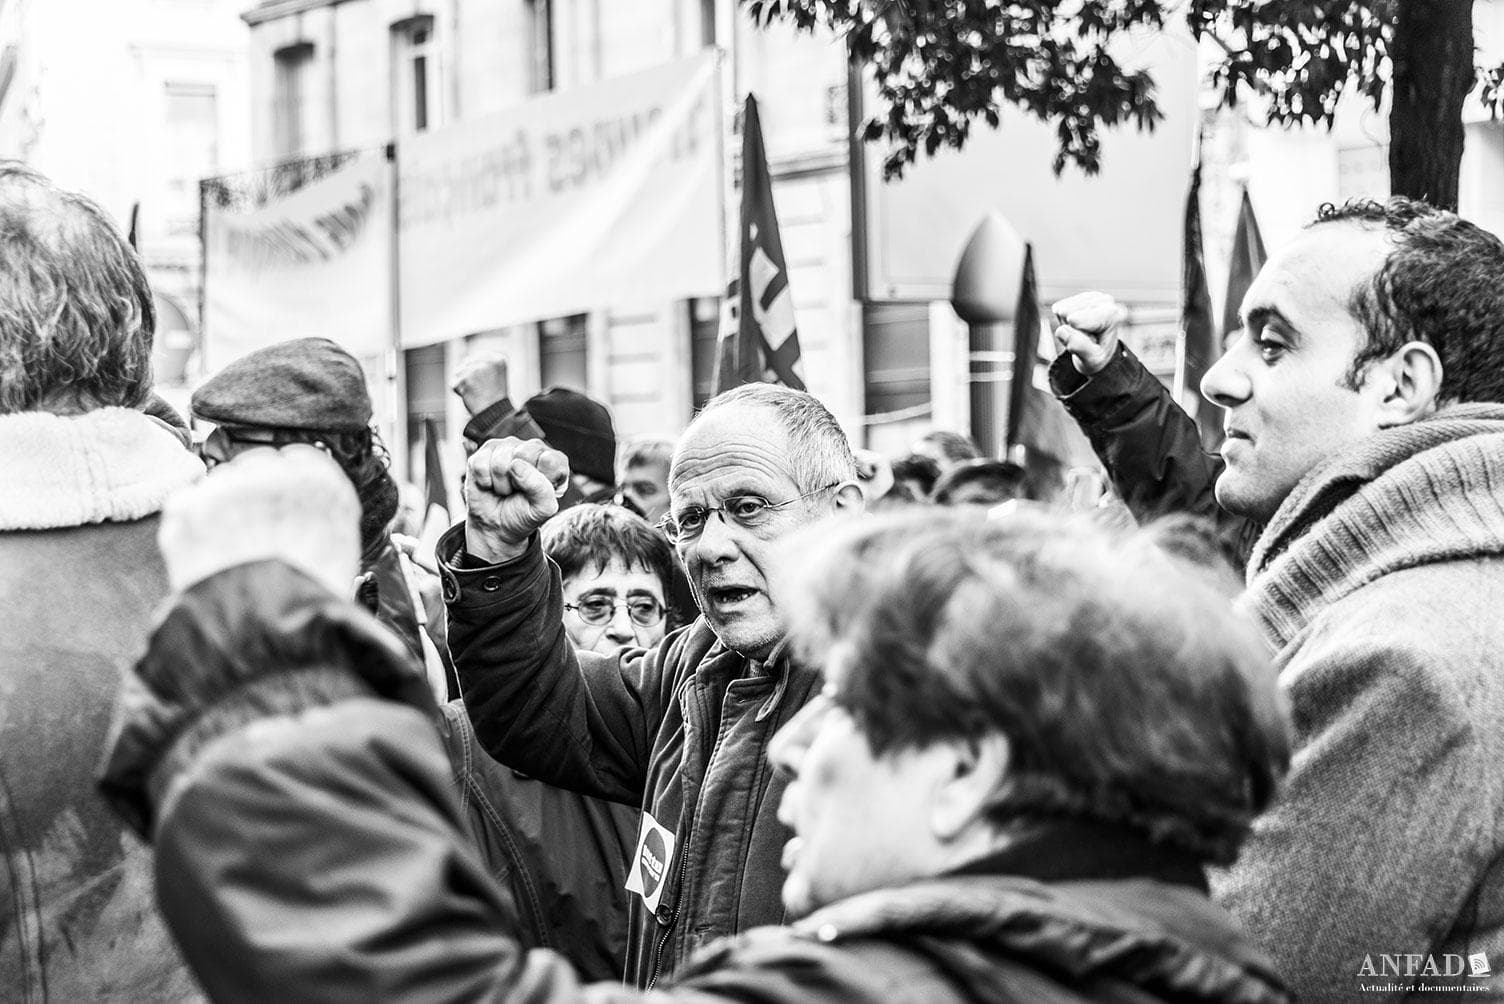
985	295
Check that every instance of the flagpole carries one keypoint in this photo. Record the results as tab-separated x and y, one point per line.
723	151
395	374
1190	253
203	279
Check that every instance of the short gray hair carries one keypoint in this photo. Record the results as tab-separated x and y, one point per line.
820	453
645	451
76	312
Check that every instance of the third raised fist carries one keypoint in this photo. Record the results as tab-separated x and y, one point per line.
1088	329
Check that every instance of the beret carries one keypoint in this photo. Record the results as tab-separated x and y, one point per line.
306	383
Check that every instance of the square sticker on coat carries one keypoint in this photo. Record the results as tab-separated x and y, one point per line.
649	865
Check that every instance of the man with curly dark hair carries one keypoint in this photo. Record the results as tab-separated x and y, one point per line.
1365	443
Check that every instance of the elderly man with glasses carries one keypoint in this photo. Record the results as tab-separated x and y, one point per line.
679	729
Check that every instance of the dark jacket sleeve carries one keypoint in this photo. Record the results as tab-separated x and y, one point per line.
1149	445
577	720
278	746
321	858
501	419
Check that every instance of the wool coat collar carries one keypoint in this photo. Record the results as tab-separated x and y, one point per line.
1417	494
109	465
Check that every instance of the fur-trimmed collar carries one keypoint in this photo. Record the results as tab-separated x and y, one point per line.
109	465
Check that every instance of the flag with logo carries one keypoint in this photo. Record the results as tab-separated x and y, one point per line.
758	340
1247	258
1199	344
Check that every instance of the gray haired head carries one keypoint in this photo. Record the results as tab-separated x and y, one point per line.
76	313
820	453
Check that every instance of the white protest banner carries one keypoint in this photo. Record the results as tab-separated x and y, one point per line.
315	262
563	204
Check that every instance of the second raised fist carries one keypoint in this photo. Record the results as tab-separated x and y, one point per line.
512	487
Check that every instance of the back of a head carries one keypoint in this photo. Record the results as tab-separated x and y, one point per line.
1200	542
952	446
922	471
1443	284
587	537
980	481
820	452
76	313
645	451
1129	690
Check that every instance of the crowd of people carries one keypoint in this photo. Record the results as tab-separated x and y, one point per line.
751	715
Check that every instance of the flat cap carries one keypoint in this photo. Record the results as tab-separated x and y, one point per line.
307	383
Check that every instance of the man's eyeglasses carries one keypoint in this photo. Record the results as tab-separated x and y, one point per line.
644	611
745	510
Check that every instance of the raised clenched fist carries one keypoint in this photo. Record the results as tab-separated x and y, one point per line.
1088	329
481	381
511	489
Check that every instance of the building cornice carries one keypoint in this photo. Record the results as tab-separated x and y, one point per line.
271	10
810	163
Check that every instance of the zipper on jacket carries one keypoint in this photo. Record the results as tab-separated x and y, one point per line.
694	819
668	928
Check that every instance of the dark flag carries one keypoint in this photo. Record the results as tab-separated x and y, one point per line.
728	342
757	340
1052	442
1025	354
1200	345
435	494
1247	258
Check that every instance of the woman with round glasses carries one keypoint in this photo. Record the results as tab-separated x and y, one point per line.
615	570
561	854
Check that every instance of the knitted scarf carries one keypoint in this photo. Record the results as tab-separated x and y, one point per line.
1417	494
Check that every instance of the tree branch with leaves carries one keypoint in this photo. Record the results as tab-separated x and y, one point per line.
940	65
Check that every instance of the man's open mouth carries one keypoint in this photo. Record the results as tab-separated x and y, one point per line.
728	595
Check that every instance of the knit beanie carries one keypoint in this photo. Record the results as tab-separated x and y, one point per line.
580	428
